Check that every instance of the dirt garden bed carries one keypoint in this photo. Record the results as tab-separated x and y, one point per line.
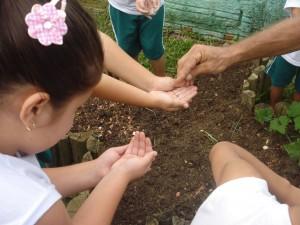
181	177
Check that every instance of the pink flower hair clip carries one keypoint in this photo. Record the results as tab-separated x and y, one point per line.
46	23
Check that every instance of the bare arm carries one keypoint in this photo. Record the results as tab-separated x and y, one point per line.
295	215
115	90
98	209
112	89
69	180
110	192
101	205
277	39
123	66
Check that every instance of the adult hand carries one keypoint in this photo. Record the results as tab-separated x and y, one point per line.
176	99
202	59
137	159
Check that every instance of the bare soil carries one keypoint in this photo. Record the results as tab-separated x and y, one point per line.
181	178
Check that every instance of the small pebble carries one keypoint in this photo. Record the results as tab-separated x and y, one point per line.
265	147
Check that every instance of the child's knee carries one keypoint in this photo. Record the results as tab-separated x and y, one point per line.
219	150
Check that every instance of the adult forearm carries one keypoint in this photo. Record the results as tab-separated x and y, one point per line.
118	91
122	65
278	39
101	205
73	179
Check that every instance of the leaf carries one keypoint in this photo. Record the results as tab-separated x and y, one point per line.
294	110
263	115
280	124
297	123
293	149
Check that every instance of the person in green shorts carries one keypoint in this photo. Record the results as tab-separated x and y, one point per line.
138	26
282	74
284	68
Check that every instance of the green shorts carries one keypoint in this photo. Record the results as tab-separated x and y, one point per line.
282	73
136	32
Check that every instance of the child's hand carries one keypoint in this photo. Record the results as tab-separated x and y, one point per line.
172	96
105	161
153	6
168	84
176	99
143	7
156	4
147	7
295	12
137	159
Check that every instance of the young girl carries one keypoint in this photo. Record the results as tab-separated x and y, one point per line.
51	58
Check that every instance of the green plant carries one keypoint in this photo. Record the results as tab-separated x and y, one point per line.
294	110
293	149
297	123
281	124
263	115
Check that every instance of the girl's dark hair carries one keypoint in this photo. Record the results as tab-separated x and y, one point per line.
60	70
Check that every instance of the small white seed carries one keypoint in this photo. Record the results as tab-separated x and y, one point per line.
265	147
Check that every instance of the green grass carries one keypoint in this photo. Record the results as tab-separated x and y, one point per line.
176	42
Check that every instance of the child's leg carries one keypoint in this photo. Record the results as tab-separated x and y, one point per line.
297	96
230	161
275	95
281	73
227	165
125	28
151	39
297	85
159	66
